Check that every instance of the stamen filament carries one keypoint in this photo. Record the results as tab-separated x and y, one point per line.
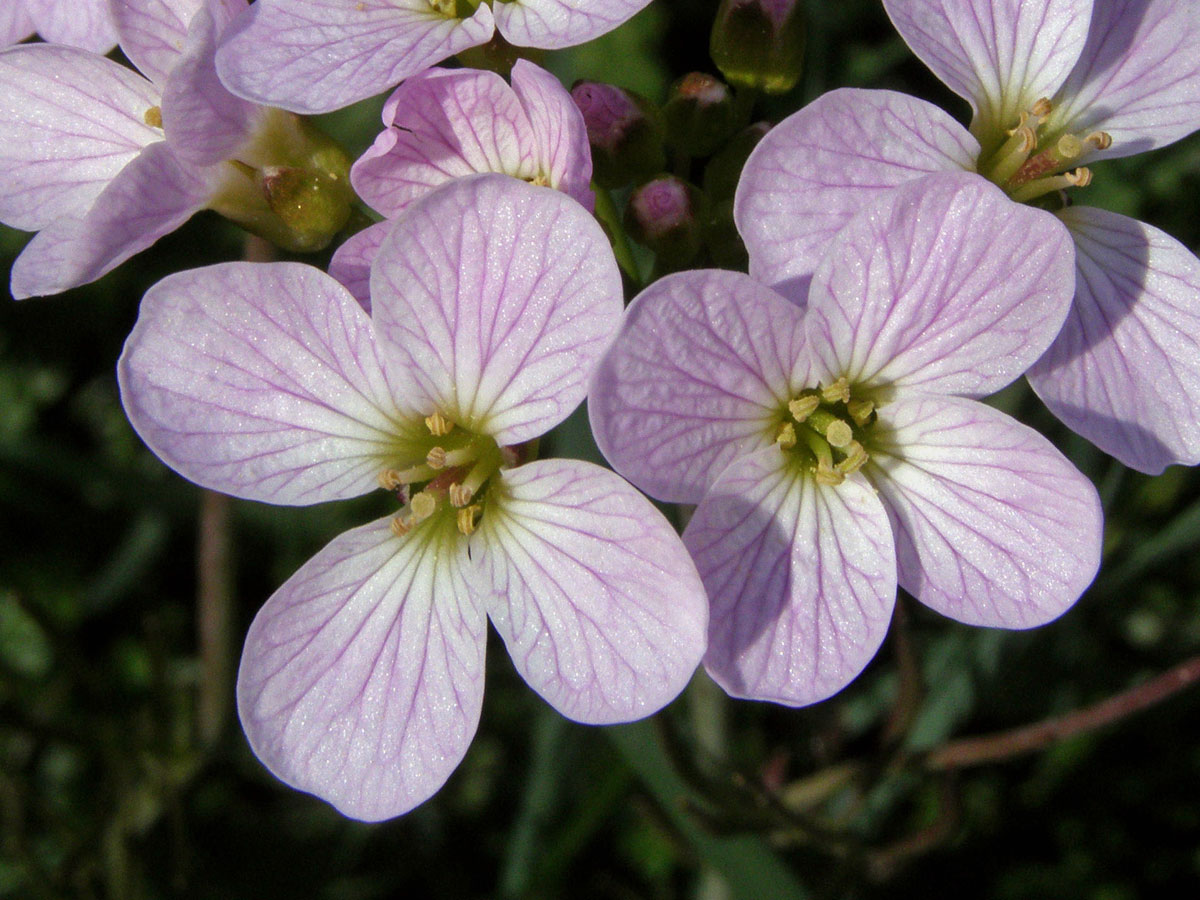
1081	177
392	479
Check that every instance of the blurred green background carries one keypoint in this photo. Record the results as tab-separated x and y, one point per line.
123	773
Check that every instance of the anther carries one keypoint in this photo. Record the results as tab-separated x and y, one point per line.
828	475
838	391
1081	177
1042	107
466	518
856	458
803	407
388	480
460	495
153	117
1022	123
839	434
438	424
1027	138
401	526
787	436
1101	140
436	458
860	411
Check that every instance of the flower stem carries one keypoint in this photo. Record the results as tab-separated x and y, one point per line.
606	212
990	748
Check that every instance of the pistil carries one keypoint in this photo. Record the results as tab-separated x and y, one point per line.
1022	141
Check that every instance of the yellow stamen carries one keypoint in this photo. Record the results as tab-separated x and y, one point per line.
401	526
392	479
856	458
436	458
460	495
466	518
153	117
787	436
839	391
803	407
1101	140
1042	107
438	424
860	411
1081	177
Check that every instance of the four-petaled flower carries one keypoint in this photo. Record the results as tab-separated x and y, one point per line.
447	123
102	162
314	56
362	677
1052	84
834	450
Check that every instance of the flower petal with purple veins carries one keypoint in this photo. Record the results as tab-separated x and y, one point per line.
263	382
313	56
993	525
801	579
1138	78
362	677
15	24
203	122
559	131
152	32
149	198
594	595
1125	371
999	55
440	125
704	364
69	122
944	285
821	165
351	262
86	24
554	24
495	299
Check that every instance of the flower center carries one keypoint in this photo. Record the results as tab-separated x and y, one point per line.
454	9
453	477
825	429
1034	160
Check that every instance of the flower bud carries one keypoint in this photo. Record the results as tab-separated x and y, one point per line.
625	130
723	171
289	185
667	215
759	43
700	114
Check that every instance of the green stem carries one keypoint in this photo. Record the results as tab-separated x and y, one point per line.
606	212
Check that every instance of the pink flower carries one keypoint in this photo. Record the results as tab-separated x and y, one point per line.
1053	85
447	123
834	448
362	676
316	55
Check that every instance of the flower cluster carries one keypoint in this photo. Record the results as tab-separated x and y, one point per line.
831	300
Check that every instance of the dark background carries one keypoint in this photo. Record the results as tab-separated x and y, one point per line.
123	773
